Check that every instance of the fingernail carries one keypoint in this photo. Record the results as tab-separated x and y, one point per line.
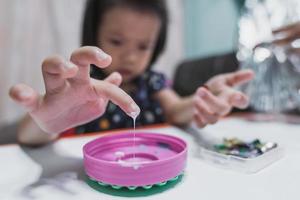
70	66
201	93
135	110
117	75
25	94
101	55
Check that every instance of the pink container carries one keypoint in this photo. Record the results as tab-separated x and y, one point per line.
148	159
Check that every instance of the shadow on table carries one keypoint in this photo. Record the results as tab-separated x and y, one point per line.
203	140
8	133
58	170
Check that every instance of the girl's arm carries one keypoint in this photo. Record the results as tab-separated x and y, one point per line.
29	133
177	110
209	103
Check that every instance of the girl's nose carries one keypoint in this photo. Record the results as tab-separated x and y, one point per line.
131	56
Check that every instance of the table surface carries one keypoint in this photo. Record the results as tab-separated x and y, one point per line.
56	170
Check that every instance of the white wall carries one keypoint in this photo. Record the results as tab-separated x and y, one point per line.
210	27
30	30
174	52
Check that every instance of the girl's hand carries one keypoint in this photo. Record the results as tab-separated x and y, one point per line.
285	36
72	97
218	97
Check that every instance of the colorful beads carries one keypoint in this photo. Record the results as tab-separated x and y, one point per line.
236	147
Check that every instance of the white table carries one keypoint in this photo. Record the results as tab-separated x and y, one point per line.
56	171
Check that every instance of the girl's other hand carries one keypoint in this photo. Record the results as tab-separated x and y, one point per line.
288	36
72	97
218	97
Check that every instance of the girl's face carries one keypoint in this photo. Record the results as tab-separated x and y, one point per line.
129	36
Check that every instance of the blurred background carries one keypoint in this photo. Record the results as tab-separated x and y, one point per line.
30	30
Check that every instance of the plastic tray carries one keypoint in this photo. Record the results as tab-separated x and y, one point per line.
245	165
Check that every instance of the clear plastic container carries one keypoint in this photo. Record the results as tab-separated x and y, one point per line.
236	163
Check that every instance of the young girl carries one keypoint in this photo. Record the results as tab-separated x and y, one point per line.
133	33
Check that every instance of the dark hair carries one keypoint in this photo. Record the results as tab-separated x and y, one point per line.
95	10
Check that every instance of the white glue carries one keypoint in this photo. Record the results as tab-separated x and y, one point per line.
133	163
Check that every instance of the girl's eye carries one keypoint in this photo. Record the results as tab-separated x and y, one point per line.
144	47
115	42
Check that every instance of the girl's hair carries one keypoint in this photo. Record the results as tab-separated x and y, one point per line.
96	9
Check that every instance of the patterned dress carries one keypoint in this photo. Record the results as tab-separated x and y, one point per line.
151	113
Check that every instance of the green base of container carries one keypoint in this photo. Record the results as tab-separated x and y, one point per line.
147	190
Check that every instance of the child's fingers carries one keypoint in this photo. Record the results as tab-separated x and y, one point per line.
284	41
84	57
234	98
287	34
294	51
239	77
114	78
55	71
206	113
217	105
287	28
239	100
25	96
112	92
198	119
